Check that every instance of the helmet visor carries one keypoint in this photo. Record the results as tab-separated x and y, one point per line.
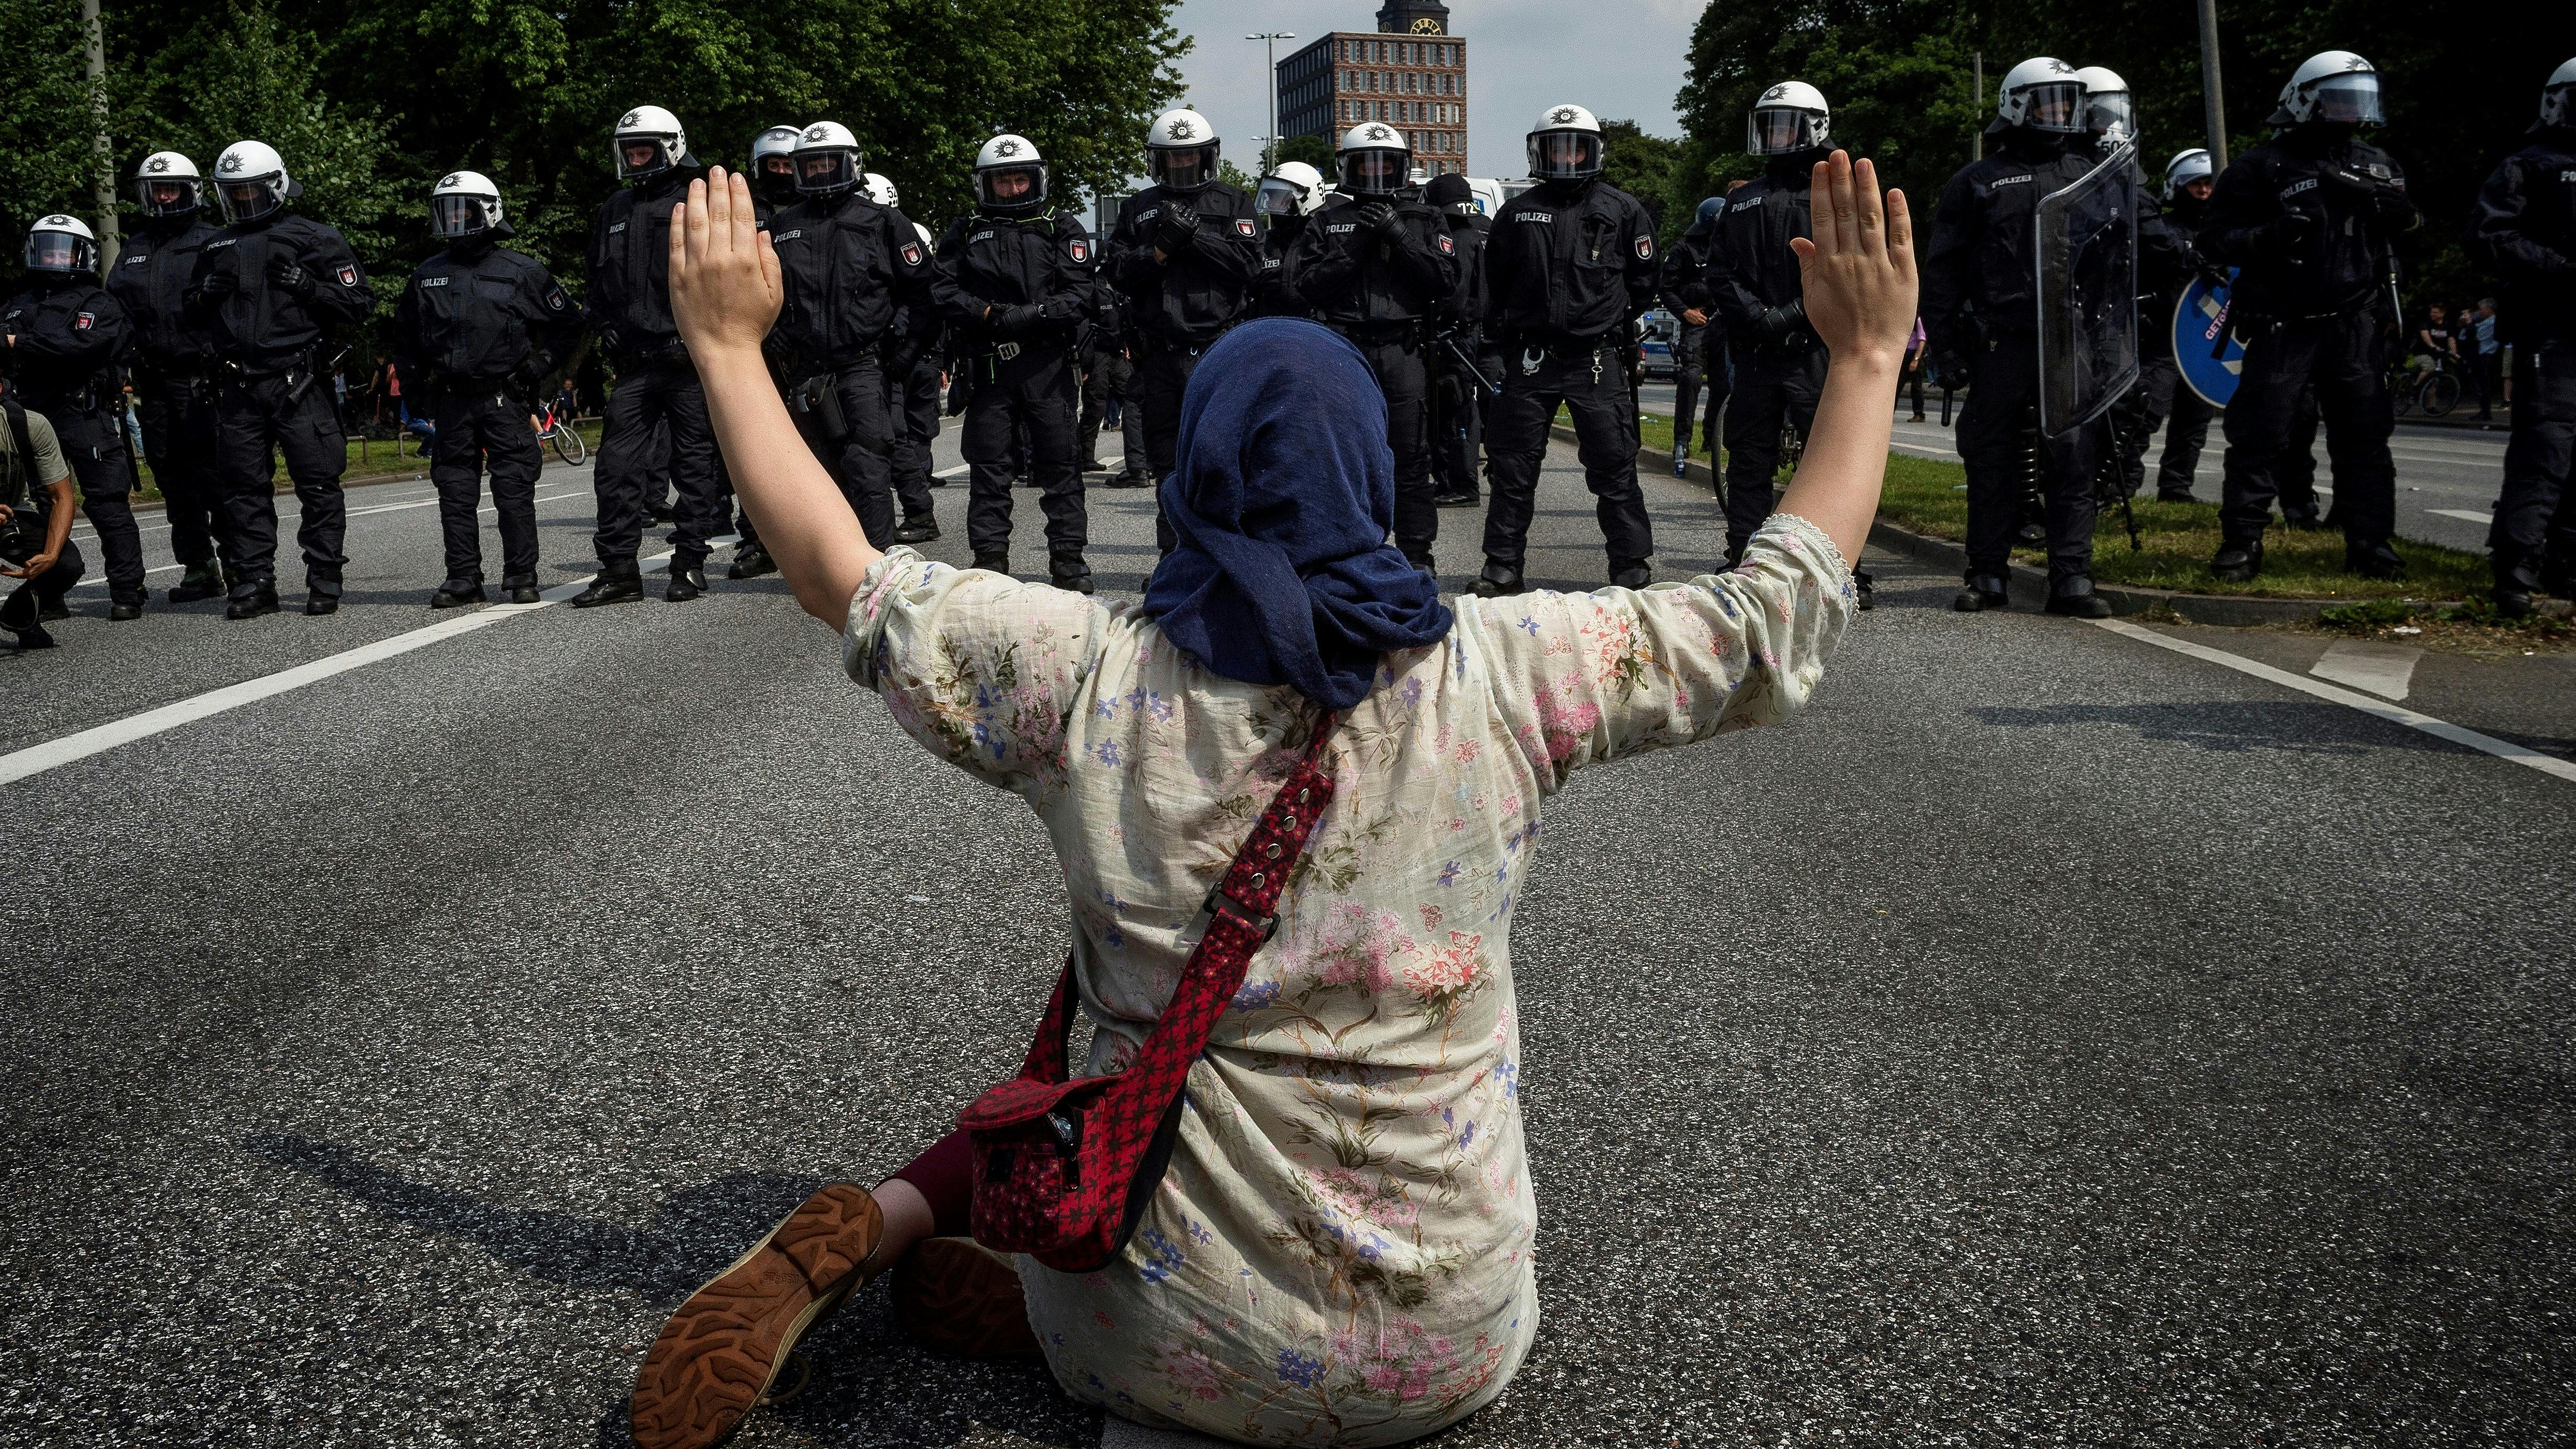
1009	188
1279	198
1373	172
1565	155
2053	106
457	215
54	251
823	171
2110	111
643	156
166	197
2352	99
1184	168
1780	131
248	200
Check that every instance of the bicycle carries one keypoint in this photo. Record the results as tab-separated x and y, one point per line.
552	428
2435	390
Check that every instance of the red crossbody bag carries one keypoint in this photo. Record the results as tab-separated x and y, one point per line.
1065	1166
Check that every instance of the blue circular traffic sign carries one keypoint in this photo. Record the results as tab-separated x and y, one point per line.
2204	346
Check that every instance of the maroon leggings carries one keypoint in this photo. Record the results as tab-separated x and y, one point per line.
945	1175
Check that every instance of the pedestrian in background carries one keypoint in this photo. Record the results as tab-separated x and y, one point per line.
1913	375
2484	356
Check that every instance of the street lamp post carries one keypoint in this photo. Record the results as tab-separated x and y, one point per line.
1270	53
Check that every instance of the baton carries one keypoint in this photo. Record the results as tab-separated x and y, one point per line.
1469	363
1945	407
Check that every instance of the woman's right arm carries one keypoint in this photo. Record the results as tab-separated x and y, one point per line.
1857	275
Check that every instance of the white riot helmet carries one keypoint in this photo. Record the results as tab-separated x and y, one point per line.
1182	149
828	162
251	181
1373	160
2044	94
1788	118
649	142
773	164
2332	86
1010	178
1295	189
2558	98
2108	111
2186	166
463	204
167	184
60	245
1565	145
880	189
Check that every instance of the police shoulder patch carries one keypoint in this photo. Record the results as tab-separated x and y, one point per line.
912	254
1079	249
83	321
555	300
1645	248
1448	248
348	274
1243	226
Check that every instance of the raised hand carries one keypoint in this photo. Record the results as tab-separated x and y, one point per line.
725	291
1857	273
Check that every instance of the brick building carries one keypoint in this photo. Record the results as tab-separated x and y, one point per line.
1410	73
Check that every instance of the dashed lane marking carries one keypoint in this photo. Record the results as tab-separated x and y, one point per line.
2394	713
2386	670
2465	514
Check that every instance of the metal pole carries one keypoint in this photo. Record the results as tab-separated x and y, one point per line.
103	187
1270	53
1977	136
2213	101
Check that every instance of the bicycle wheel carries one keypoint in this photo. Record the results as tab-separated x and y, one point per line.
569	446
2403	394
2441	394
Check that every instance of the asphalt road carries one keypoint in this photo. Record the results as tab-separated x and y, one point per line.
2049	1038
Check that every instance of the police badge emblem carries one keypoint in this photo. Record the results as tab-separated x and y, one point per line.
1243	226
348	275
1080	249
912	254
1645	249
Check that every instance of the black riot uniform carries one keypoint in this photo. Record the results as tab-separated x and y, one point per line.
478	327
2187	414
2167	262
1186	262
66	339
173	366
1376	272
1569	267
1458	400
1685	290
2307	217
1015	293
857	310
1980	305
1274	291
913	397
274	287
1752	279
2523	228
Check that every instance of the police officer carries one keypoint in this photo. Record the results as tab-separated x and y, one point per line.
857	311
1752	278
773	171
913	397
2307	217
1285	200
1569	267
1686	295
64	338
1016	280
1980	309
2523	228
1375	268
1185	251
173	365
478	327
1458	355
2188	178
273	285
2167	263
657	385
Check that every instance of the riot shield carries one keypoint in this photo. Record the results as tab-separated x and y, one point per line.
2087	263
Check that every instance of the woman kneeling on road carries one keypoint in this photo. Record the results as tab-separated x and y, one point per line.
1339	1250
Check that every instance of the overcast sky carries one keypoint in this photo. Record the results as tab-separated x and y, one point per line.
1622	58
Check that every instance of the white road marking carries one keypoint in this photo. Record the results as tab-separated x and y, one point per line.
2464	514
100	583
36	759
959	471
2386	670
2394	713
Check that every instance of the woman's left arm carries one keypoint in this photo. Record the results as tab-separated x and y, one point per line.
725	294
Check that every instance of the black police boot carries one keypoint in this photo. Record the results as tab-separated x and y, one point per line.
1132	478
252	602
1457	498
918	530
1862	588
316	605
122	610
688	580
2238	562
750	560
1422	561
456	594
1498	580
2074	598
2373	560
1634	576
999	563
520	589
1091	460
619	582
201	581
1984	591
1070	573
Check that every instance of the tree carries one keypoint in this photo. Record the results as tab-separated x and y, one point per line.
1645	167
46	163
1315	151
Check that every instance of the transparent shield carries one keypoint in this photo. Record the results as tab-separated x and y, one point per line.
2087	276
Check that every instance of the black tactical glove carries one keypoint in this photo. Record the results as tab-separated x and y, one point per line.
219	283
1012	321
2287	239
1373	217
1060	310
1175	229
1780	323
290	276
525	377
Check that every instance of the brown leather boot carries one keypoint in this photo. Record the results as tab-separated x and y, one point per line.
957	1297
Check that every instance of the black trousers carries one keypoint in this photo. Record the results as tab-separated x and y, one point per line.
2535	528
2339	359
2140	411
252	416
1690	372
477	430
45	590
1162	376
914	401
861	462
1594	389
1034	394
94	444
1457	423
1770	390
650	396
1404	378
178	418
2186	433
1997	427
1095	406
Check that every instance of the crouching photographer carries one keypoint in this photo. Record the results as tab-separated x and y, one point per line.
35	524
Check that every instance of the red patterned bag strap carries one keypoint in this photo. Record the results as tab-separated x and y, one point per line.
1048	1060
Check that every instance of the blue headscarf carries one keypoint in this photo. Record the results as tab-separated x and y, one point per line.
1282	500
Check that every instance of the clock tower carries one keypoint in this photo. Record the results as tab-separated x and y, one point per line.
1413	17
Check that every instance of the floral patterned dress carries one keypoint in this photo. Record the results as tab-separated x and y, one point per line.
1341	1251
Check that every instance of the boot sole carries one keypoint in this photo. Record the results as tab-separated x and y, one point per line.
718	1355
956	1297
